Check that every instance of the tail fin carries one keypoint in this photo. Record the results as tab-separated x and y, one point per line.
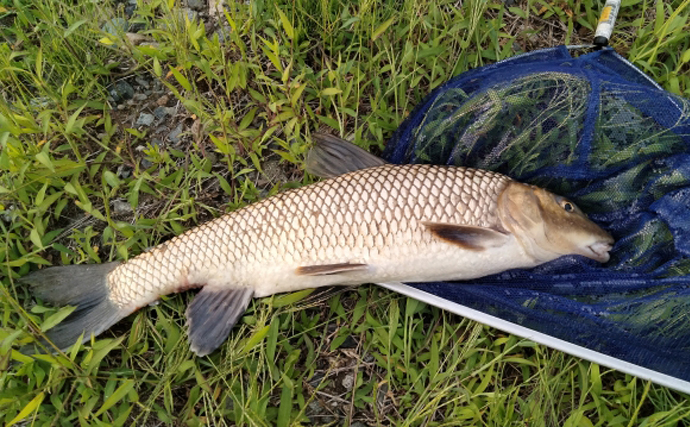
83	286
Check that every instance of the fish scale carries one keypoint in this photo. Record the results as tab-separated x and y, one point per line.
342	219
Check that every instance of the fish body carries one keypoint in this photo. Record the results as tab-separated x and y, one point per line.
370	222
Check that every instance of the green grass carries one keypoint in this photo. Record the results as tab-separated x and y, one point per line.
248	97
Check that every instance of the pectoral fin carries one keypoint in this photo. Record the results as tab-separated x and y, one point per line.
328	269
212	315
472	238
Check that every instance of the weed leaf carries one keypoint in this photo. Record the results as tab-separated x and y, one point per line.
73	27
117	395
29	408
382	28
287	26
331	91
182	80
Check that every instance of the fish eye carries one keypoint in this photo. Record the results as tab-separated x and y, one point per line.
567	206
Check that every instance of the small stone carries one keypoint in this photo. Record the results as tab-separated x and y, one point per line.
163	100
139	97
40	102
115	26
349	342
382	394
191	14
174	135
316	380
314	406
124	172
348	381
137	27
145	119
121	107
135	38
146	163
142	82
130	103
196	4
121	207
155	142
121	91
8	215
161	112
224	33
180	16
215	7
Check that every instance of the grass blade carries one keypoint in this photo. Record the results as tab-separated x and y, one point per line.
29	408
287	26
382	28
117	395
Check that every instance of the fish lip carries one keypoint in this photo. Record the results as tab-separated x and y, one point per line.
599	251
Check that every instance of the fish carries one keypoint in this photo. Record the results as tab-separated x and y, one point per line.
368	221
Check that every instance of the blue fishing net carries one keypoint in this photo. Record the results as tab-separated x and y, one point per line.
597	130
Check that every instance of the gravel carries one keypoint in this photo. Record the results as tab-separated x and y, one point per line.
121	207
199	5
145	119
174	135
121	91
115	26
161	112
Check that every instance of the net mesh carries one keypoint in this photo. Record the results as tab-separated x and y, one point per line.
597	130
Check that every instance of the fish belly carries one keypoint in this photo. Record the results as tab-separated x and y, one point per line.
437	262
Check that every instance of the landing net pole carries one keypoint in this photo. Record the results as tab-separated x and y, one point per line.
606	22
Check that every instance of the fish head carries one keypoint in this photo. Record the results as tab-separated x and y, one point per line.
549	226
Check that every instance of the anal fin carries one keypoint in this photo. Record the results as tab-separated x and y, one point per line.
468	237
329	269
212	315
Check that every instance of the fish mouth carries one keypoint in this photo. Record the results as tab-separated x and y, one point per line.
599	251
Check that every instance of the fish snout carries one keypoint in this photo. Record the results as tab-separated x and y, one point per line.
599	250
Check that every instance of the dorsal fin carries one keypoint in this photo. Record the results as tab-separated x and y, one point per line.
331	156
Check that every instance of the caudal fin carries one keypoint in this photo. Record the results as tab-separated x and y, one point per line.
83	286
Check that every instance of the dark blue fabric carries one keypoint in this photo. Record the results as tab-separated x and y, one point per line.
595	129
